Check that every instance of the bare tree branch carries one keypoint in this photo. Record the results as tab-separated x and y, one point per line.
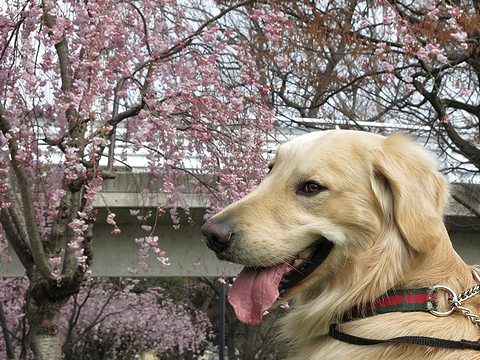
471	207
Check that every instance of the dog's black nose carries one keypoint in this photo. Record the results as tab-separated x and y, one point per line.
218	235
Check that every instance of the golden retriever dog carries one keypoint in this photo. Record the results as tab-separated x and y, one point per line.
345	224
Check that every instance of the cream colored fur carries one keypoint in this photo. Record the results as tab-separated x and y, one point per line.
383	210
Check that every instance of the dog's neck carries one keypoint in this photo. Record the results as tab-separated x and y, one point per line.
348	288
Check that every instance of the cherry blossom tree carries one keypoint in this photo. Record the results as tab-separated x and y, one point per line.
433	64
411	64
115	321
109	319
81	82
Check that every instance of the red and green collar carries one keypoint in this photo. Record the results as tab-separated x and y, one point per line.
424	299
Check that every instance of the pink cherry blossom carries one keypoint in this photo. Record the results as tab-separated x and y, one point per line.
84	85
116	318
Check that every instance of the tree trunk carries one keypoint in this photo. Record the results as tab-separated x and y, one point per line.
43	316
46	347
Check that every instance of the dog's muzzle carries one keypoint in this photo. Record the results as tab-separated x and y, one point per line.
257	288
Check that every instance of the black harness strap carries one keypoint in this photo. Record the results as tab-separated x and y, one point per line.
415	340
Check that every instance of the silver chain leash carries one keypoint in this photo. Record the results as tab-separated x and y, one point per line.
456	300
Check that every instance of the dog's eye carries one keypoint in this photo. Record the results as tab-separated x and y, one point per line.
270	167
311	188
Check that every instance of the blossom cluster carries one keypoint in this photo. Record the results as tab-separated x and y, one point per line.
414	41
135	321
147	244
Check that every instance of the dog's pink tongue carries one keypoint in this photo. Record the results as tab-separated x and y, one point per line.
254	292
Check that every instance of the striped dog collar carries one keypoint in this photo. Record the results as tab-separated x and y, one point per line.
424	299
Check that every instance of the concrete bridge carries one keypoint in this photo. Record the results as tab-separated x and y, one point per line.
114	254
188	254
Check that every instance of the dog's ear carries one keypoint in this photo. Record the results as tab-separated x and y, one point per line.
419	190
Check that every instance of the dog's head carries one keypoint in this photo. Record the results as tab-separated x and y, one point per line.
332	201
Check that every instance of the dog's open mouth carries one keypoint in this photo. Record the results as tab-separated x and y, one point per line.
257	289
